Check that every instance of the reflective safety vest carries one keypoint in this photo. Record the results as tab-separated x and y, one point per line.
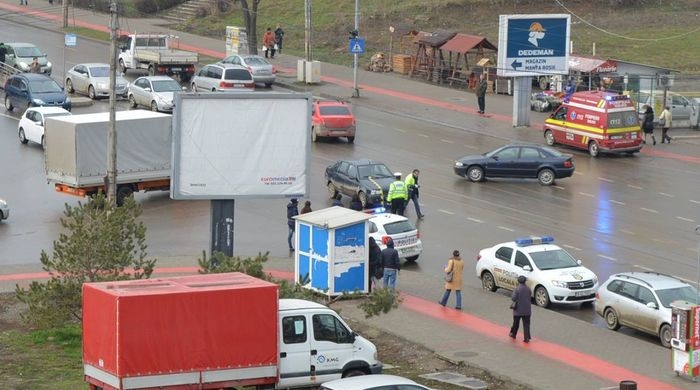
397	190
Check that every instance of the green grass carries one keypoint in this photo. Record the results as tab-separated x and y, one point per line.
88	33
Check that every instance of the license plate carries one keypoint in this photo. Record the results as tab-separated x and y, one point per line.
175	69
405	242
582	293
239	85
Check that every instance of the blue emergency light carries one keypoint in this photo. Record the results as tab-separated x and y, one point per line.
532	240
376	210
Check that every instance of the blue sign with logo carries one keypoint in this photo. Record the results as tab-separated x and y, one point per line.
357	46
71	40
533	45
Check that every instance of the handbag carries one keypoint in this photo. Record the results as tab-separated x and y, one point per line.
276	47
449	276
264	48
662	121
514	305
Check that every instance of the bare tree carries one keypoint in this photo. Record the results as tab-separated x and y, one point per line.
251	18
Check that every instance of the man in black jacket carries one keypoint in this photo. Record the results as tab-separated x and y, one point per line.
391	264
292	211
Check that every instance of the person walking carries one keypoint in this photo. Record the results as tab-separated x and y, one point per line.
398	194
292	211
648	124
391	264
35	67
412	186
376	273
522	309
481	93
279	37
269	43
665	120
455	268
306	208
3	52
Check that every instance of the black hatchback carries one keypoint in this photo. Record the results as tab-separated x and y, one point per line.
34	90
367	179
517	160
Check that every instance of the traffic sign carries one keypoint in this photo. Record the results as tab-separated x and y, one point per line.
357	46
531	45
71	39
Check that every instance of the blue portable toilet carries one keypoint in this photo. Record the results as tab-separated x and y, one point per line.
332	251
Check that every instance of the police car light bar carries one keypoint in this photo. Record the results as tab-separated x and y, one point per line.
525	241
376	210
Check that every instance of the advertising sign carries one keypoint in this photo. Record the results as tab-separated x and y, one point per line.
532	45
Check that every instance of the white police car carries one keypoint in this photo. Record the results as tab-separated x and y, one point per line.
552	273
405	235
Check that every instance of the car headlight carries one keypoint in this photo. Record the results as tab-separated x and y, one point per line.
38	102
459	164
48	64
3	203
67	99
103	85
559	283
595	280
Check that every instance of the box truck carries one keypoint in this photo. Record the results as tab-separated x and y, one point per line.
214	331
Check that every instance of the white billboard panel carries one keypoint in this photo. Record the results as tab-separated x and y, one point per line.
237	145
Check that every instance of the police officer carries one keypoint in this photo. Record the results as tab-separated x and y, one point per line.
412	186
398	194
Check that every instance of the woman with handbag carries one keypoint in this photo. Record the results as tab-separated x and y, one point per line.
269	43
665	122
648	124
453	279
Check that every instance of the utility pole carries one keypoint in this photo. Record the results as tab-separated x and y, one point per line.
112	129
356	90
307	31
65	13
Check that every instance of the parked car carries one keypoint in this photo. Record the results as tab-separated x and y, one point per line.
31	125
332	118
4	209
262	70
552	273
223	78
373	382
681	107
384	226
93	80
20	56
642	301
367	179
154	92
517	160
25	90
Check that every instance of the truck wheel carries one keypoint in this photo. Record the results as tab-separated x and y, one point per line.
8	103
593	149
123	192
549	137
412	259
151	70
22	137
69	86
122	67
354	372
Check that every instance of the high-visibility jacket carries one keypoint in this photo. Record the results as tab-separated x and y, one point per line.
410	182
397	190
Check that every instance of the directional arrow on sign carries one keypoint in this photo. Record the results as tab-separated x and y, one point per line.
516	64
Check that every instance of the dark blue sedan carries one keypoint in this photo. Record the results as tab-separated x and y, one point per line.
517	160
25	90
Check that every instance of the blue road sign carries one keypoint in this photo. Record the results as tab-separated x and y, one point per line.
357	46
533	45
71	39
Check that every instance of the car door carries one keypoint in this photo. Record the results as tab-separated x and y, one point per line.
628	306
33	131
562	134
21	98
645	318
80	79
502	267
142	92
200	79
332	343
528	162
295	349
680	107
502	163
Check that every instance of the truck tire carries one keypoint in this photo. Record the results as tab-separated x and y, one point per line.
123	192
593	149
549	137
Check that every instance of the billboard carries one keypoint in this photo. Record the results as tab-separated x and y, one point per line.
532	45
238	145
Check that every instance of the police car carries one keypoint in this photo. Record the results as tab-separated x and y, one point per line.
552	273
405	235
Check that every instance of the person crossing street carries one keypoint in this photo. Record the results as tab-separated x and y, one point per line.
398	194
412	187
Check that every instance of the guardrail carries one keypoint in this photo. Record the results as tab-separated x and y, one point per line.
5	72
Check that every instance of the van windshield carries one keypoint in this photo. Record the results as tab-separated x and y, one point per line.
618	120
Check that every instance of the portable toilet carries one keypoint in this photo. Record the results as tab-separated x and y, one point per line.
332	251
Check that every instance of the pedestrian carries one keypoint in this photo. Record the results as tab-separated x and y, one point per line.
522	309
391	264
648	124
356	203
269	43
398	194
35	67
50	2
453	279
569	90
481	93
279	37
376	272
338	200
413	186
23	2
665	120
292	211
3	51
306	208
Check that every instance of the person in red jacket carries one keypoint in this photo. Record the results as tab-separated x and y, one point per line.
269	43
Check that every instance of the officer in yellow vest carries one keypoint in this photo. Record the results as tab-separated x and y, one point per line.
398	195
412	187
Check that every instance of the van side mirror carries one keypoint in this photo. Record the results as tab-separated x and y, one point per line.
652	305
527	268
353	336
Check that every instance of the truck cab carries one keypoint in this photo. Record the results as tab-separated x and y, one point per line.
316	346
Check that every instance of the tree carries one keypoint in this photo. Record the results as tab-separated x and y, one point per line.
102	242
250	16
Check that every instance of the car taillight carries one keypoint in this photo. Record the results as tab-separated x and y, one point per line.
274	70
568	164
478	257
417	234
250	69
385	239
223	84
250	85
596	295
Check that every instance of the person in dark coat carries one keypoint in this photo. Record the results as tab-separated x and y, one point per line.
3	52
391	264
648	124
306	208
375	263
355	203
522	298
292	211
338	200
279	37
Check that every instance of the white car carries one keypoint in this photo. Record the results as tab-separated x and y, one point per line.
405	235
4	209
552	273
92	79
31	125
154	92
373	382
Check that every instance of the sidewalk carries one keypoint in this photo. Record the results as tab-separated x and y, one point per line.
565	358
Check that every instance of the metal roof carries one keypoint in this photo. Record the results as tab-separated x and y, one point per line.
462	43
434	39
333	217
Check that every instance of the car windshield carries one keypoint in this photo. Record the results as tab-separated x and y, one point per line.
166	86
374	170
28	51
399	227
685	293
99	71
334	110
44	86
553	259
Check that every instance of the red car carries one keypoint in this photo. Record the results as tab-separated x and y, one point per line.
332	118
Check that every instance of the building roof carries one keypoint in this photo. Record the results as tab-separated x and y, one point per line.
462	43
333	217
434	39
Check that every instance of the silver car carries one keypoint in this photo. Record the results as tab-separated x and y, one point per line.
4	209
263	71
642	301
223	78
154	92
20	56
93	80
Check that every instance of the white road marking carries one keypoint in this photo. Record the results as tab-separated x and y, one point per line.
665	194
506	229
399	130
470	147
423	135
607	257
587	194
559	187
447	141
475	220
446	212
628	231
606	179
571	247
649	210
643	267
616	202
578	173
685	219
695	201
635	187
